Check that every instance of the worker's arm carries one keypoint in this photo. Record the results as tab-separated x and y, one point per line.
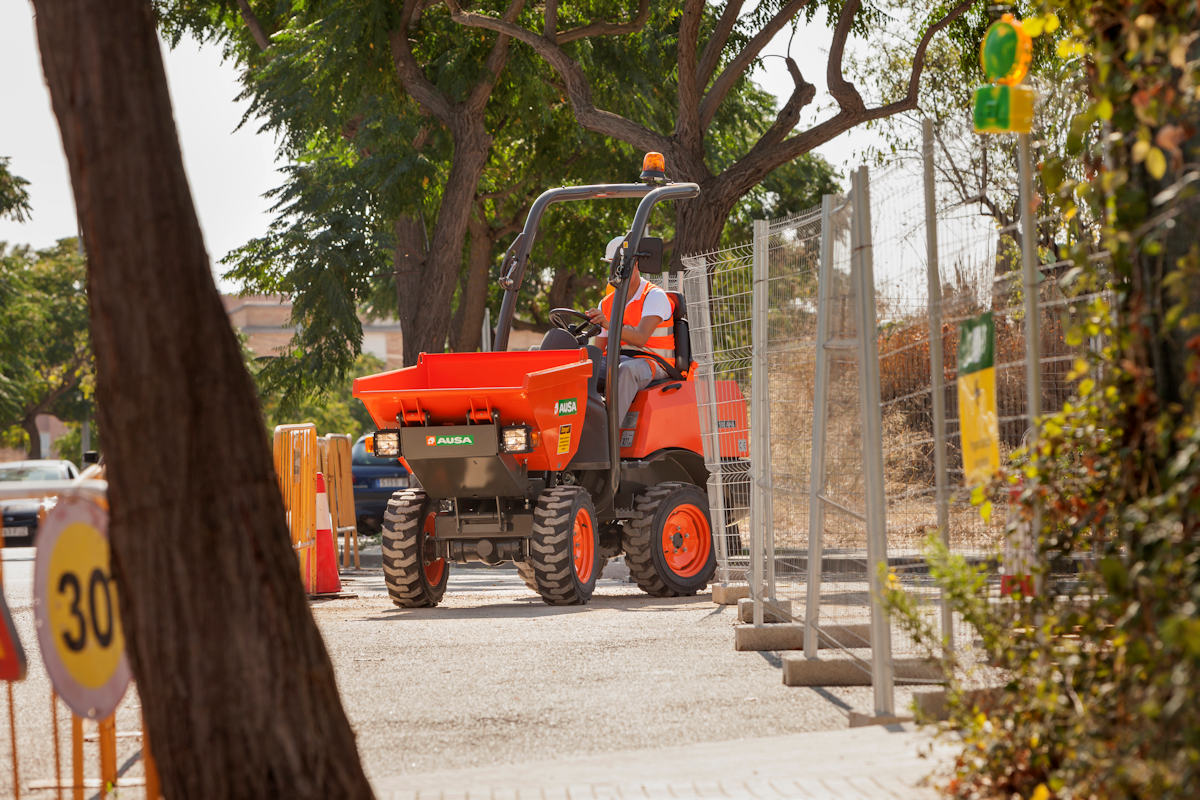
629	334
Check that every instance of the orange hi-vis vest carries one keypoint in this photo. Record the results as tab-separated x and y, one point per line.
662	342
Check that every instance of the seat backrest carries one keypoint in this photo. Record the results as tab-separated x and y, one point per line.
680	330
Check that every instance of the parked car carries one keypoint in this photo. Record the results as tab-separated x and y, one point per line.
375	479
21	516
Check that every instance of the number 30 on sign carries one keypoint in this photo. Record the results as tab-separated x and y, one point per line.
75	605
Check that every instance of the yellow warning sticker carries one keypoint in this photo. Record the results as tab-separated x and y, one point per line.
564	439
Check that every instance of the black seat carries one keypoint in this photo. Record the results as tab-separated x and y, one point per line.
681	331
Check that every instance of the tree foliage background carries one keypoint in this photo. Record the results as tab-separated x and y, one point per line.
419	133
45	348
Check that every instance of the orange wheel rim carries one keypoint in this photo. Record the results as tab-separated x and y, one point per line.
434	567
583	544
686	541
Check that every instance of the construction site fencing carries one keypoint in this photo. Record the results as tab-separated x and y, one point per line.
336	465
841	325
718	291
62	754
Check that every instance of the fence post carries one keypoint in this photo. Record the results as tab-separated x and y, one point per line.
762	549
872	440
816	483
696	272
1029	281
937	365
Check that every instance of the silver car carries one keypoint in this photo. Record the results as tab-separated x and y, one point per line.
21	516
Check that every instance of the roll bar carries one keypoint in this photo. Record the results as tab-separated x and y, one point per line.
517	255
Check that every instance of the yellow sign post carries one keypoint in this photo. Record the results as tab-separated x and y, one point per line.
75	606
979	425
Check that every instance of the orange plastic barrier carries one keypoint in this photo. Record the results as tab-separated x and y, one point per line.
339	481
295	451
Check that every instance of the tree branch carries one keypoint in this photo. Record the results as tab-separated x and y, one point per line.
736	69
754	165
909	101
843	91
482	90
410	73
602	28
687	121
253	23
716	42
579	91
803	93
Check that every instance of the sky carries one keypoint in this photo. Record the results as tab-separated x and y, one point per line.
229	169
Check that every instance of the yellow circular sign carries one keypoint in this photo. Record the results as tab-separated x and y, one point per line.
83	615
75	606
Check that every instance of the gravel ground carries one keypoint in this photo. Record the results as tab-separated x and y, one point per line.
493	676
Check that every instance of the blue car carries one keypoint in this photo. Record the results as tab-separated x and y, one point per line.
375	479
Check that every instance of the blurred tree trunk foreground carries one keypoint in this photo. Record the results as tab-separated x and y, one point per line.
237	689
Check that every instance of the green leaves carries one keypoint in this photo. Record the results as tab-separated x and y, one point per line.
14	198
45	349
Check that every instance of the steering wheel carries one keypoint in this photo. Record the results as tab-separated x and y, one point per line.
575	323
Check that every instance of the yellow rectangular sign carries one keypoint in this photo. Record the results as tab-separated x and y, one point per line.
564	439
979	425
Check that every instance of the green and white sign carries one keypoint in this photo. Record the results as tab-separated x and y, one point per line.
565	408
979	424
442	441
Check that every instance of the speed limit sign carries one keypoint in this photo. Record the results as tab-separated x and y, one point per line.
75	607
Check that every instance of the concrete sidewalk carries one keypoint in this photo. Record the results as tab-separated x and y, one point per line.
870	763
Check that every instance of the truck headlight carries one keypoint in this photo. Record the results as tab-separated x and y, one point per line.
387	444
516	439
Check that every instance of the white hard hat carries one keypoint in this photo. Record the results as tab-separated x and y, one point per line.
613	244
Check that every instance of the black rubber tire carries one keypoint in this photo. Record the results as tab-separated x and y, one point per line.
405	552
551	547
643	536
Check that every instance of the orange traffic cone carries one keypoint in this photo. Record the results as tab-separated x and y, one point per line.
328	580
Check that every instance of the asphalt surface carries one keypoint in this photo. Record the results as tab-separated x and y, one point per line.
493	693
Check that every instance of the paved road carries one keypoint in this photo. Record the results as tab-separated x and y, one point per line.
494	694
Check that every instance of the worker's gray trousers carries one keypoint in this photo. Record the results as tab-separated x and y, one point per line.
633	375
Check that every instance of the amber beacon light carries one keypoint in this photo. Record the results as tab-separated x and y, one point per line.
654	168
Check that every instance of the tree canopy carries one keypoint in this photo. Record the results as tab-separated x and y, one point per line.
416	145
14	197
45	348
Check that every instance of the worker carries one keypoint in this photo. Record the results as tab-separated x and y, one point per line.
646	326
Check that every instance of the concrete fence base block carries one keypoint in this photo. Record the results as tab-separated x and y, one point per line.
727	594
932	704
777	636
773	610
860	720
801	671
848	637
845	671
918	670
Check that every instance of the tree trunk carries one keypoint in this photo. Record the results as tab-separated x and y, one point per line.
237	689
467	330
425	299
699	221
29	424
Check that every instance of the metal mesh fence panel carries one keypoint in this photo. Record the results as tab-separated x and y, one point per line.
718	290
812	477
793	254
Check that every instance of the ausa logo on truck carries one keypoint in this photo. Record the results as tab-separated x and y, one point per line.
565	408
438	441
